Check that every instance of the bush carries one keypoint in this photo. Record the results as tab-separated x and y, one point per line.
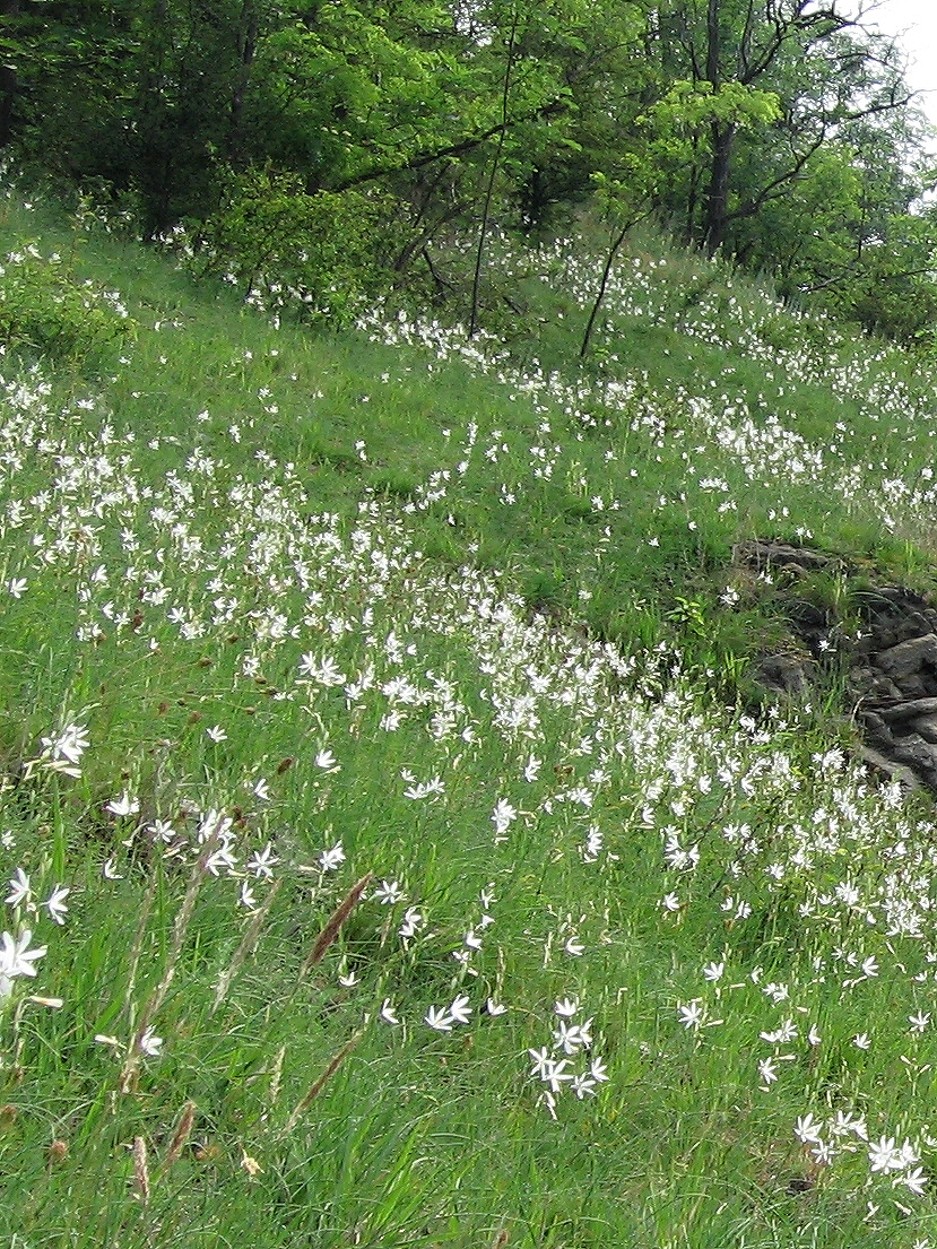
44	309
321	253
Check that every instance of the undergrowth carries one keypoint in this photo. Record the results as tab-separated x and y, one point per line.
386	864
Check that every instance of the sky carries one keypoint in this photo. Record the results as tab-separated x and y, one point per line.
914	24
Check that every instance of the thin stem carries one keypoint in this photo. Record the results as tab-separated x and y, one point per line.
489	192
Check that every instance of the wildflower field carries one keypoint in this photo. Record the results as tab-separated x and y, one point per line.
391	855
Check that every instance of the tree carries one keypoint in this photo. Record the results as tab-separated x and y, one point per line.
672	126
9	12
823	67
144	98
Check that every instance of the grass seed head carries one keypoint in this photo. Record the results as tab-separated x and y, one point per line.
334	923
141	1171
181	1134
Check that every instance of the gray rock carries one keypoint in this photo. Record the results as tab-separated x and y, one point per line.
876	730
891	665
914	625
906	660
779	555
914	686
888	768
868	683
918	755
866	644
788	674
910	710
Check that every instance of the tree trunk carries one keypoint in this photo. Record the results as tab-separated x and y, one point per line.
250	27
496	160
9	9
717	197
606	274
692	198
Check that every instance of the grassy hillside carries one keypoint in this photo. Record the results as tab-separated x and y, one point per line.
395	854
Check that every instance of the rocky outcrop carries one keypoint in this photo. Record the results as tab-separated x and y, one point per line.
892	664
796	559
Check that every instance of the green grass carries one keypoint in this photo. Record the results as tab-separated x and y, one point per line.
321	591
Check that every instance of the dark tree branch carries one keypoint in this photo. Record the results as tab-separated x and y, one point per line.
553	108
769	192
606	274
495	162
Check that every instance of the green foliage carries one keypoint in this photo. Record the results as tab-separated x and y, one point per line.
692	106
893	291
780	134
44	309
819	195
242	620
135	98
317	253
671	132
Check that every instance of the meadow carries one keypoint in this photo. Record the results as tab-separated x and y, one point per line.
394	853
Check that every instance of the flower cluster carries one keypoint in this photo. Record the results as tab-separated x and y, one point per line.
569	1060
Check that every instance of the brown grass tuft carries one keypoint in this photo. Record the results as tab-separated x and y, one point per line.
334	923
246	946
315	1089
141	1171
181	1135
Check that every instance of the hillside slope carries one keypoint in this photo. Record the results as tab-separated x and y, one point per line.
393	856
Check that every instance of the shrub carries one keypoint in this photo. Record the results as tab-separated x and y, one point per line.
44	309
321	253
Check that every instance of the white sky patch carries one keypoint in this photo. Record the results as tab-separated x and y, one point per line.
913	23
